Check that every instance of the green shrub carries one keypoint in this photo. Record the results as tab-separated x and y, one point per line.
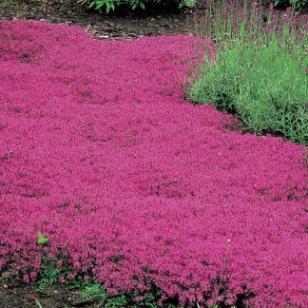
298	4
112	5
259	73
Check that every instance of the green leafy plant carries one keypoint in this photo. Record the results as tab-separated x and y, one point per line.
99	5
259	73
188	3
49	274
41	239
297	4
111	5
54	268
94	290
97	291
136	3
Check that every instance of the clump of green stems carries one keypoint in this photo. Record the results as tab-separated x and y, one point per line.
260	69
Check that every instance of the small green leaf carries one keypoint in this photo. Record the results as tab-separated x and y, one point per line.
141	5
99	6
41	239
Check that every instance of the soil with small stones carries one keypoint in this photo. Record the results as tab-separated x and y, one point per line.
53	297
123	26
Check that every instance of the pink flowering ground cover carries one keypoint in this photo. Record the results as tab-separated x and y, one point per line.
100	152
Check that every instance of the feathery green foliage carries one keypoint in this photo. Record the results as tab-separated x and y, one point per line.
259	72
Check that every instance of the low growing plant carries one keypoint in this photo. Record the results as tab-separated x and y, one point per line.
49	274
152	228
59	270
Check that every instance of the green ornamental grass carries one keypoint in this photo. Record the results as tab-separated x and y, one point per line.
260	72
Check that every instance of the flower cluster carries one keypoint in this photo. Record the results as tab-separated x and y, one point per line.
100	152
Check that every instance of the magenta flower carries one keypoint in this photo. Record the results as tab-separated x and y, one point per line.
100	152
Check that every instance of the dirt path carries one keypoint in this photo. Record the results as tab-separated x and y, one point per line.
124	26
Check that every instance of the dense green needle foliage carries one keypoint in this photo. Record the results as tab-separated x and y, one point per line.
259	73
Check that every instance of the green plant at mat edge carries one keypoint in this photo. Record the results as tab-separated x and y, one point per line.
260	72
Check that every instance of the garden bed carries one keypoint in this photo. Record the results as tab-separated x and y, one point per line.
138	188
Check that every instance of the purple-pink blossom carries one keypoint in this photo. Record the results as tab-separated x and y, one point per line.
101	153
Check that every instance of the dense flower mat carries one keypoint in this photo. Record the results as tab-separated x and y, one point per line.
100	152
